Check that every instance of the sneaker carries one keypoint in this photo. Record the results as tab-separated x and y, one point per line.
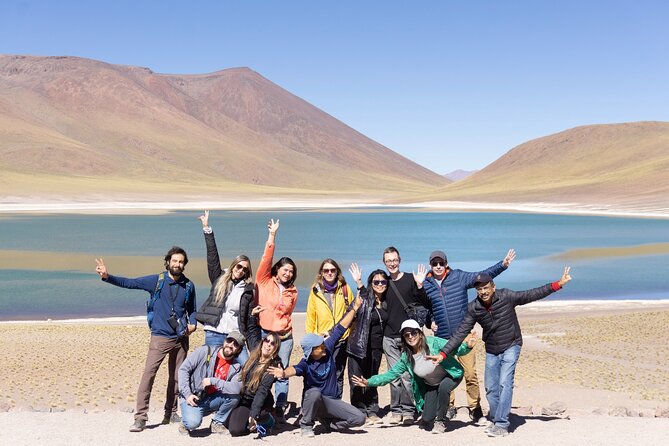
407	420
307	431
489	426
138	426
171	418
497	431
373	419
439	427
279	415
476	414
183	430
218	428
451	412
394	419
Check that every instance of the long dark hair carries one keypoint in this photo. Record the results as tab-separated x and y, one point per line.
370	290
254	369
285	261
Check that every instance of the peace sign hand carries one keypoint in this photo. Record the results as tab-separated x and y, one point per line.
101	269
565	276
204	218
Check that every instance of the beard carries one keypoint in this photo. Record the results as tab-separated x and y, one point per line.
175	270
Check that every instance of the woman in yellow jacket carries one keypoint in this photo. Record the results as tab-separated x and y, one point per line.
329	298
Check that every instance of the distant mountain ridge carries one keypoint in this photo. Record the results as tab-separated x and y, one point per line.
623	164
67	119
459	174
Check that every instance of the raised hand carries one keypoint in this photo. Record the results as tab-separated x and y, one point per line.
273	226
101	269
356	272
565	276
204	218
359	381
277	372
419	277
509	257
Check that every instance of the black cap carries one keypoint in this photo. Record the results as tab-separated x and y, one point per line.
437	255
482	279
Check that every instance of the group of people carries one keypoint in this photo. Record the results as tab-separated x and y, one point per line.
249	340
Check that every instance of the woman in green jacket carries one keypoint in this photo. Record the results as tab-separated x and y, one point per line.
431	384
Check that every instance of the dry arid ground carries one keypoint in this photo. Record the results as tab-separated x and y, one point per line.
75	382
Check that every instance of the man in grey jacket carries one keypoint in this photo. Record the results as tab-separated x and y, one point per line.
209	382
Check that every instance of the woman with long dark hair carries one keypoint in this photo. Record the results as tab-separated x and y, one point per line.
231	300
328	301
365	343
431	383
256	401
277	297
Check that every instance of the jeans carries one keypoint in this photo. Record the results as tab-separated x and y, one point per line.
401	394
281	385
215	339
499	374
218	402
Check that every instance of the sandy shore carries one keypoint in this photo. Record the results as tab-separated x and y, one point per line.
151	206
74	382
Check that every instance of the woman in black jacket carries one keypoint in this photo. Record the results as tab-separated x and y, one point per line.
365	343
253	414
231	300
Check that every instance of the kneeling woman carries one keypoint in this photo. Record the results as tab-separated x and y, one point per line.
431	383
256	401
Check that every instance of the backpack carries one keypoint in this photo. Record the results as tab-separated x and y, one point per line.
156	294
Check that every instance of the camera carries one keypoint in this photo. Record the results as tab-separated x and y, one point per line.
173	322
199	393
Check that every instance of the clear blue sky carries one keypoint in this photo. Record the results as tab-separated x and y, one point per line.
449	84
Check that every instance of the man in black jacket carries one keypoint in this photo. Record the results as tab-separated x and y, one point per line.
495	311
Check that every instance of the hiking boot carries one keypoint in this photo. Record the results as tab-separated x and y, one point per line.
307	431
497	431
451	412
407	420
218	428
138	426
171	418
373	419
439	427
394	419
183	430
279	415
476	414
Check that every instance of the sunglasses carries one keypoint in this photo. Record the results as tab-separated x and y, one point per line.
232	341
329	270
242	267
269	341
380	282
411	333
436	263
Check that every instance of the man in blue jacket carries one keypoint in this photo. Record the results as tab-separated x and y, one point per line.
171	317
320	400
447	290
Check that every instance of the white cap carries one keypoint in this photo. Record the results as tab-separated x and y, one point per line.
409	323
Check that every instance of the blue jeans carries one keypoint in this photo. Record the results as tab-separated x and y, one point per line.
215	339
499	374
218	402
281	385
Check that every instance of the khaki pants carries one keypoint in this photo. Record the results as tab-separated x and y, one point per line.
470	379
159	348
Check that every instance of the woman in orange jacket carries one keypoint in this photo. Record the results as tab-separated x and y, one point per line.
277	296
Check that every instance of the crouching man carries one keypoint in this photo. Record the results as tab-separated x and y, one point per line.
207	384
318	368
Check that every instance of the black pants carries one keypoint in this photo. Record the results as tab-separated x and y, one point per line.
339	354
238	421
437	398
365	398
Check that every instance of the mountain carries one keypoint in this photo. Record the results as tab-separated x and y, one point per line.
74	126
459	174
622	165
